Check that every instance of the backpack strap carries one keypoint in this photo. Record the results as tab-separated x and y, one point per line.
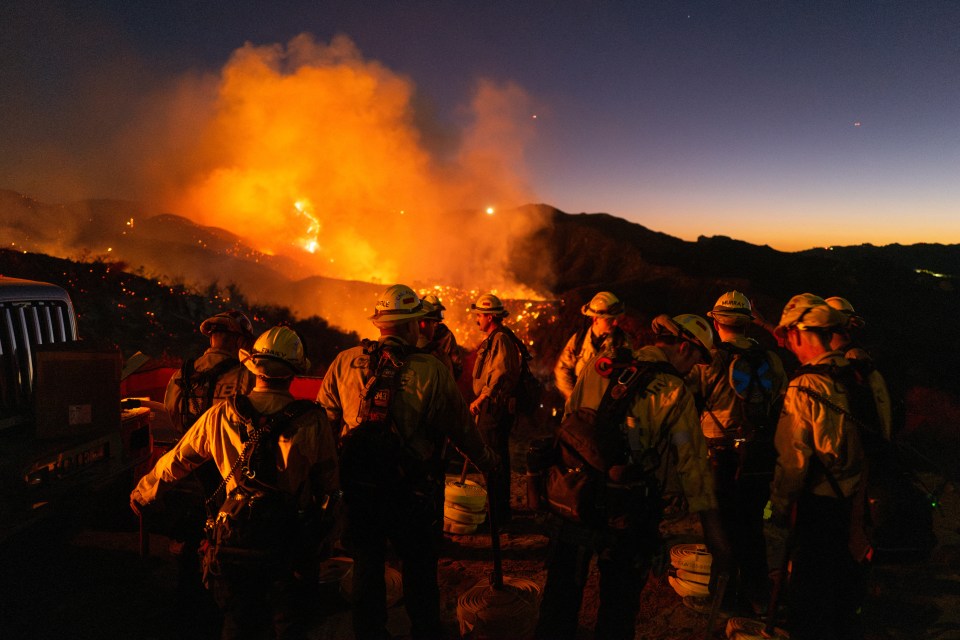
186	386
578	342
385	362
190	379
263	425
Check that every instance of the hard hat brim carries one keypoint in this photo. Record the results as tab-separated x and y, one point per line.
388	317
272	366
593	313
503	313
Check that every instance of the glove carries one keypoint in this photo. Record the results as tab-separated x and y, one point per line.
135	504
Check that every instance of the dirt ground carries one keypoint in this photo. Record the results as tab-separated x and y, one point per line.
85	579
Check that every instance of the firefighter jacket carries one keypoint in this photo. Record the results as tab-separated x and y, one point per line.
427	407
444	348
496	372
306	451
808	430
580	350
723	412
878	386
665	417
233	381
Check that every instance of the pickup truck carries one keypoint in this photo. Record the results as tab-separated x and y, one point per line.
64	434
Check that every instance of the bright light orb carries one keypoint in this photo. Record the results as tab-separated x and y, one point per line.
489	211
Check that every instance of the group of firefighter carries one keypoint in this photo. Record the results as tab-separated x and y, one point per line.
364	466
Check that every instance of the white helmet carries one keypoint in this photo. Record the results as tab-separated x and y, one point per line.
277	353
854	320
808	311
489	303
434	307
397	304
231	321
603	305
732	308
689	327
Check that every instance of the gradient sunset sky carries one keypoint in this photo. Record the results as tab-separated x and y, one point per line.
793	124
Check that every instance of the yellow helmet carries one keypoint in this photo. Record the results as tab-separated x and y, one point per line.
231	321
732	308
433	306
277	353
854	320
397	304
489	303
808	311
687	326
603	305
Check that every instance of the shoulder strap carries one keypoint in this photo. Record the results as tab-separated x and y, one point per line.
578	343
186	373
385	362
262	425
213	374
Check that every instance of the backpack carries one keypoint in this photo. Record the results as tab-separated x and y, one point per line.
256	521
590	448
892	512
753	379
199	387
373	455
529	389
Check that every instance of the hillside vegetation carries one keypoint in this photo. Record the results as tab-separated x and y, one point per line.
138	313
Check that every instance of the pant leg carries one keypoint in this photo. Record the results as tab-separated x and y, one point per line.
495	430
415	531
825	584
365	539
567	567
242	597
749	544
623	573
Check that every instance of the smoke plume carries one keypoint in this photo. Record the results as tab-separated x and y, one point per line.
312	152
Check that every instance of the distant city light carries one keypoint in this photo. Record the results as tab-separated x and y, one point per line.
932	273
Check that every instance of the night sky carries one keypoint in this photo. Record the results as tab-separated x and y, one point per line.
793	124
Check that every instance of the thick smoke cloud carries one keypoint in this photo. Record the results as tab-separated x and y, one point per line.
310	151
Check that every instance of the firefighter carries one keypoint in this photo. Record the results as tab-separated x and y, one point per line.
264	584
602	336
661	429
843	341
215	375
393	407
818	473
496	379
436	337
739	393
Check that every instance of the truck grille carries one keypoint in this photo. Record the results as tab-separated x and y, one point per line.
24	326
